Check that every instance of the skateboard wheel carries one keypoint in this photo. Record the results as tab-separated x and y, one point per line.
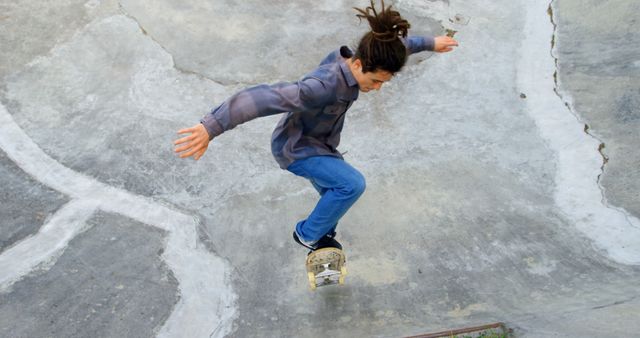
312	280
343	273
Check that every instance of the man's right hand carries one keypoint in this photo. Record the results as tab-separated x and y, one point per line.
195	144
443	44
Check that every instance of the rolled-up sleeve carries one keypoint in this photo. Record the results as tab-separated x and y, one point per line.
416	44
263	100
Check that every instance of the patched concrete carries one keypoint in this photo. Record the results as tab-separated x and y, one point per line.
283	41
602	85
105	117
41	27
484	196
437	264
110	279
25	204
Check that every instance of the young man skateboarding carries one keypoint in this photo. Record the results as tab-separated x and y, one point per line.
306	139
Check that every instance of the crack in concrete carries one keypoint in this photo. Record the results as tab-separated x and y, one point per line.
616	303
602	145
530	316
124	12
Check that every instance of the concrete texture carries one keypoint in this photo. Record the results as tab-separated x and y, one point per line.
94	288
603	86
25	204
486	199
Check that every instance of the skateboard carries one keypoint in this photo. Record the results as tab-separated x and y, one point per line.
326	267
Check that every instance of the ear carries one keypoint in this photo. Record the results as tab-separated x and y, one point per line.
358	64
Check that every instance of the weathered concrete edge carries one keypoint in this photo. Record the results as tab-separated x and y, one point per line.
577	191
47	245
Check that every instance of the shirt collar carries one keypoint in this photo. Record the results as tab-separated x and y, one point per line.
345	52
351	81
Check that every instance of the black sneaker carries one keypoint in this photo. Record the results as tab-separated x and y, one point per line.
309	245
328	242
332	234
325	242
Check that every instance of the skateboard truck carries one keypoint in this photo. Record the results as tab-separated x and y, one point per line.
326	267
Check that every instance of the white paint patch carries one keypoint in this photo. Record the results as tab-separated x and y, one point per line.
207	302
47	245
579	162
540	268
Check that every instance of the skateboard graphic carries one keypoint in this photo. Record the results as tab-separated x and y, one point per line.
326	267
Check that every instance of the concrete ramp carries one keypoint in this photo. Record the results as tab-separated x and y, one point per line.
502	181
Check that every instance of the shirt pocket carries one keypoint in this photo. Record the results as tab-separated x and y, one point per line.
321	123
333	111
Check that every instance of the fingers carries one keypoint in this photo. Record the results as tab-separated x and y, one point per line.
445	44
186	130
184	139
189	152
196	152
199	154
447	40
193	145
450	42
190	142
184	147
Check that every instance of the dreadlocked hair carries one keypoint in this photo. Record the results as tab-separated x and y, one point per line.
382	47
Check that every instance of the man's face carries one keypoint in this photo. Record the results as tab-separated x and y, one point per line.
370	80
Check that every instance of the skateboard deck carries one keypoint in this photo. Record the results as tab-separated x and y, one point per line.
326	267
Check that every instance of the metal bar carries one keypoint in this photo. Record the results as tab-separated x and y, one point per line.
460	331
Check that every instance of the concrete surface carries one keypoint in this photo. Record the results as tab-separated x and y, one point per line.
486	201
25	203
94	287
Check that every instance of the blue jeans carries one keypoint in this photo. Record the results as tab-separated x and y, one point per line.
339	185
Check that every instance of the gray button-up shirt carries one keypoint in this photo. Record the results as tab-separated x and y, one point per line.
315	106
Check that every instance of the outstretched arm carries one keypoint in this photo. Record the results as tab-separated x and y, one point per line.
440	44
248	104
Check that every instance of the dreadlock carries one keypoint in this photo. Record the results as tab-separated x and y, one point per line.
382	47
